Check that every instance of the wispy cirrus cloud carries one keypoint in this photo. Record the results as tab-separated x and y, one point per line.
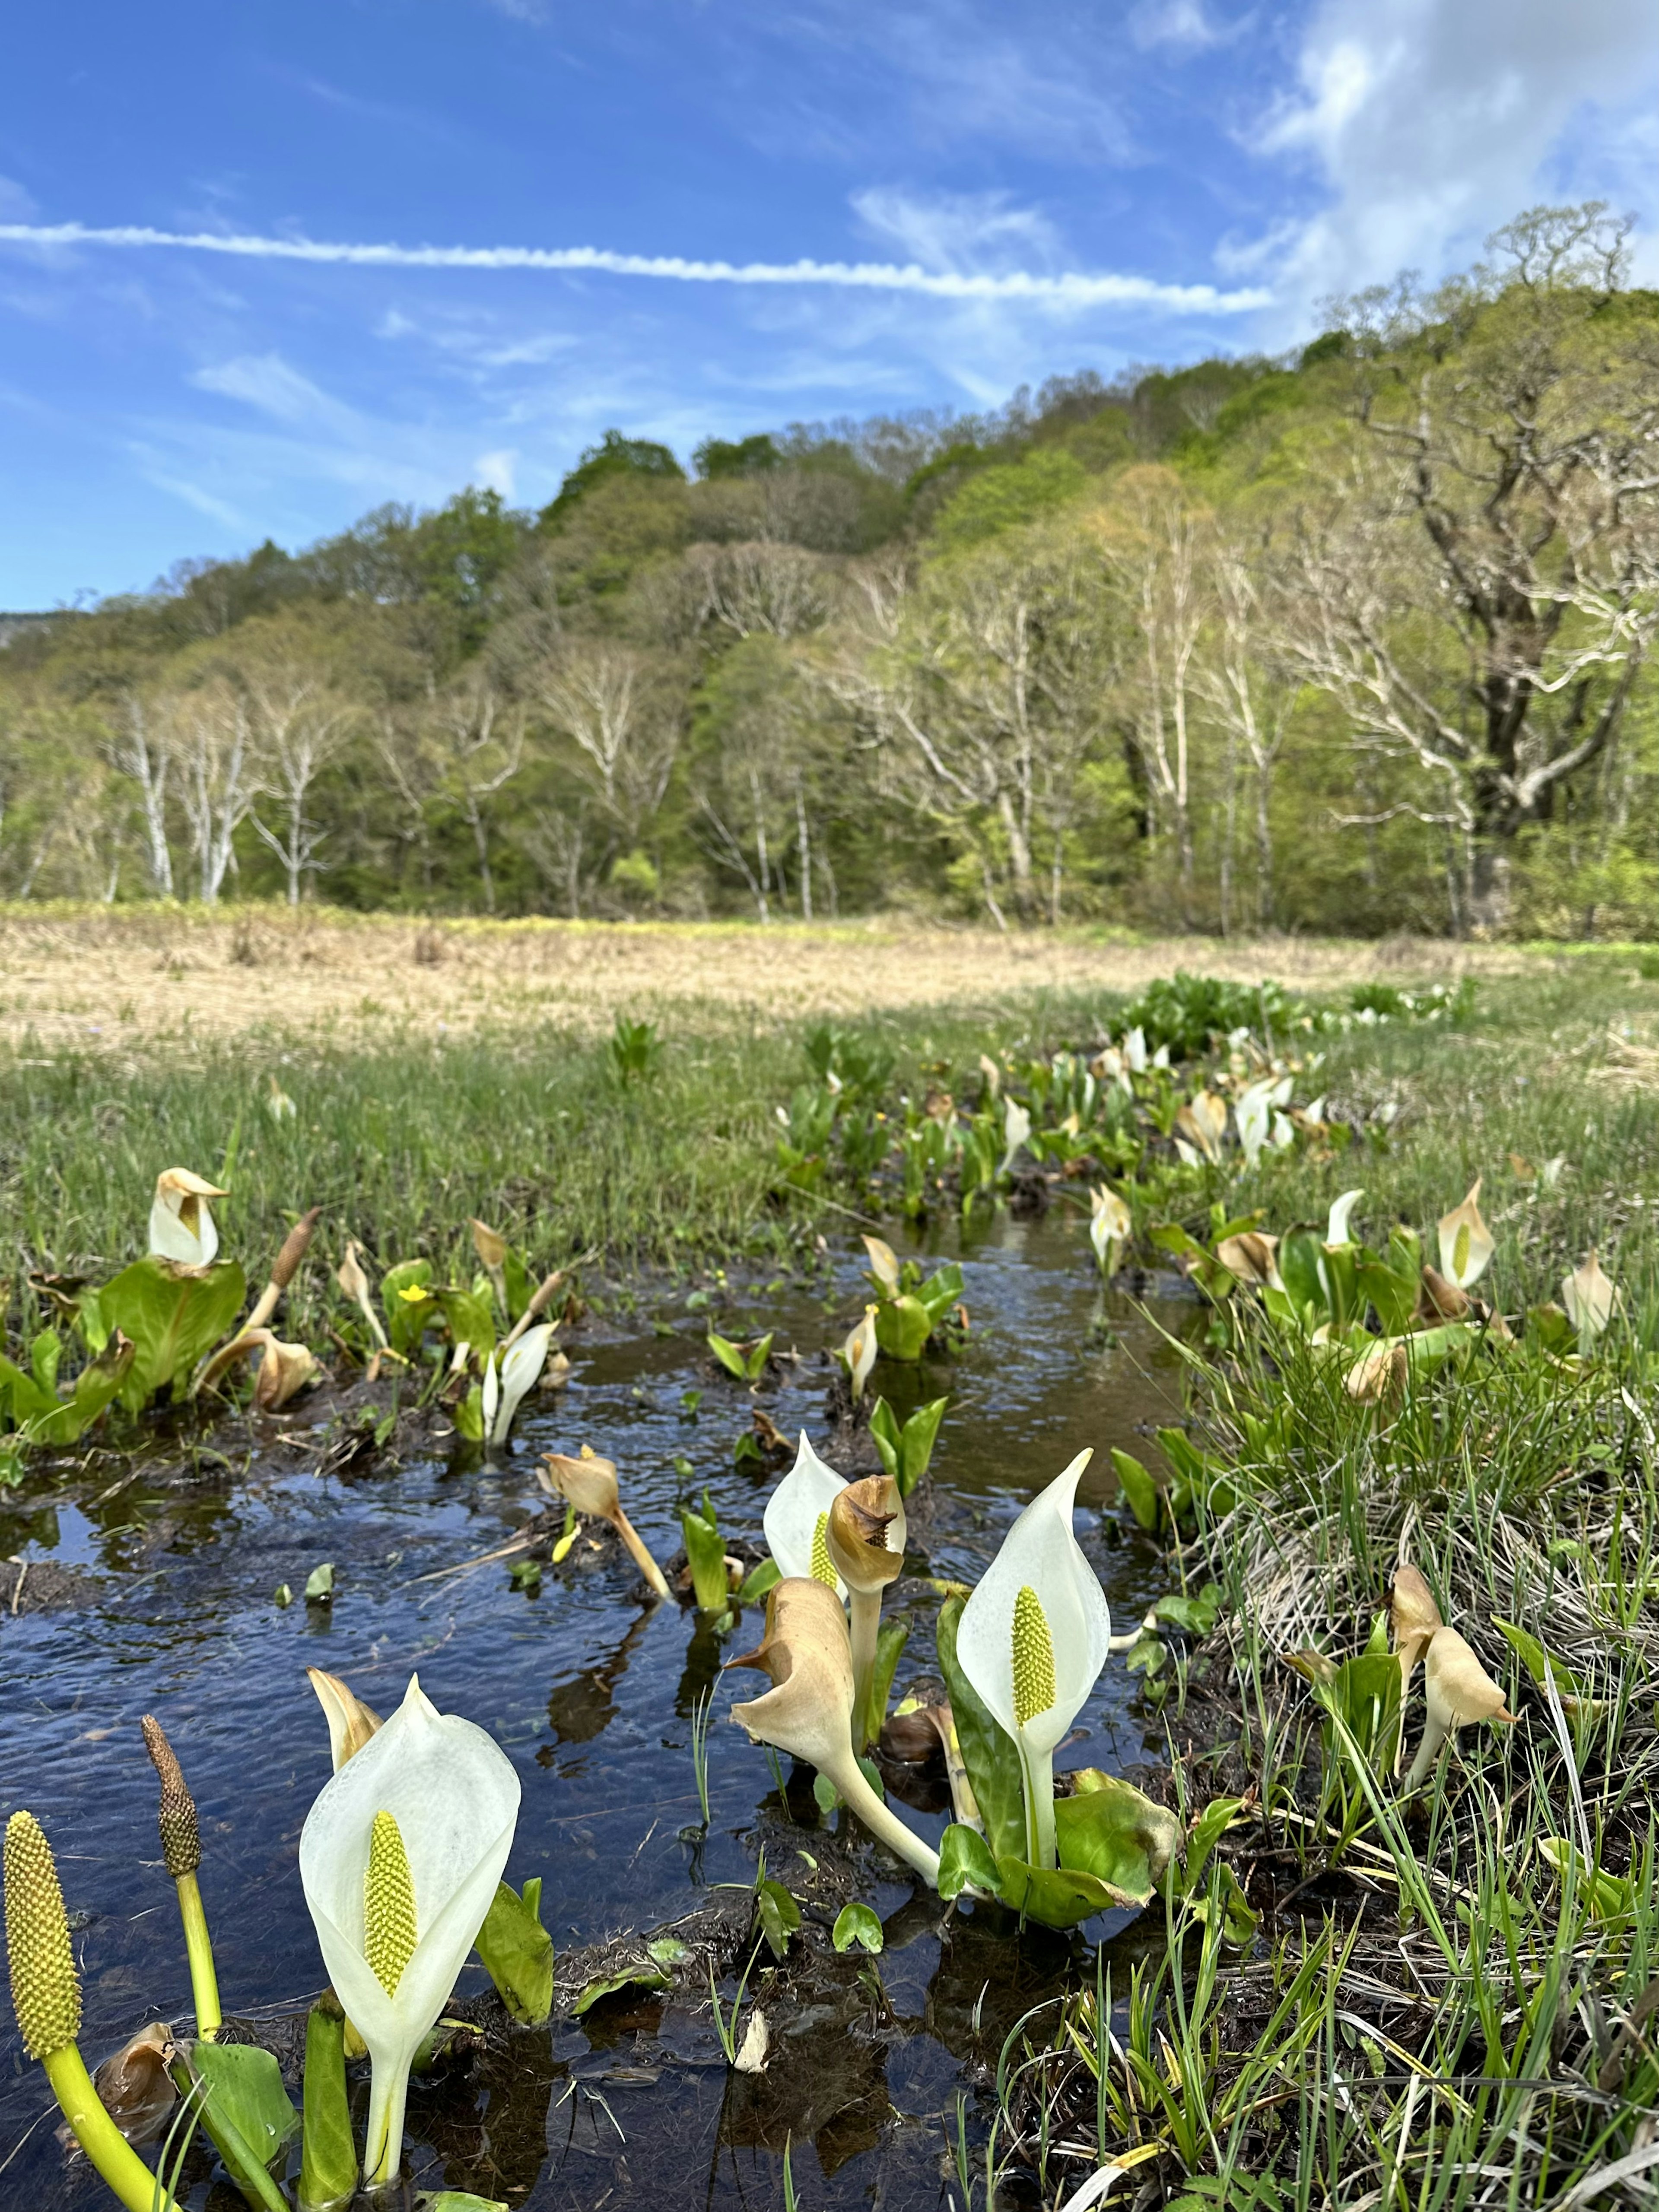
1067	288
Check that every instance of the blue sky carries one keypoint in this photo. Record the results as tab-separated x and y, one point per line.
985	194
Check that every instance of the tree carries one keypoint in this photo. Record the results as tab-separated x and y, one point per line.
478	737
300	725
136	745
1251	697
209	738
619	706
1481	587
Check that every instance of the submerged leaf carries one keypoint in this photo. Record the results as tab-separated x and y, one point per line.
517	1952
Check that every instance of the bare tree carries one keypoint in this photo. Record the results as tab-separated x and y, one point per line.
763	586
300	725
1481	587
616	704
136	745
209	740
478	738
1251	696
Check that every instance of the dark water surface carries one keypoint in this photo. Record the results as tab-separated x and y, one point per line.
591	1695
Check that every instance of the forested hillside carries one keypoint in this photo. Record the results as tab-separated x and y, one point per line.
1352	642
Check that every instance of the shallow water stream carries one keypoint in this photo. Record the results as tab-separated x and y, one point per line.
590	1693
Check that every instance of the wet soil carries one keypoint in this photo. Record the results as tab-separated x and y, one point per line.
152	1588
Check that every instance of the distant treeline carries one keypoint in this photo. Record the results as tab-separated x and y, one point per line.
1354	642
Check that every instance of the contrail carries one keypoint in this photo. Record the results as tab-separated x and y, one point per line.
1067	290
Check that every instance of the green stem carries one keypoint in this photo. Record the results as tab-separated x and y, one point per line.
865	1626
198	1945
107	2149
883	1825
1037	1769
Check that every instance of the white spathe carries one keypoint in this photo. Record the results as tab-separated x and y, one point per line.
1039	1552
795	1509
521	1365
454	1795
1016	1130
181	1224
1336	1229
1110	1225
859	1352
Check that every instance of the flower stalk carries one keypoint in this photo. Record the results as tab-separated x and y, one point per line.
181	1851
45	1994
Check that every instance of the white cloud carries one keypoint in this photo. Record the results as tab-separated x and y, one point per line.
266	381
1066	289
957	231
1180	23
495	471
1429	123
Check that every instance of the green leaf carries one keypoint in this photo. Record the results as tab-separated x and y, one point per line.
988	1749
669	1950
1395	1296
30	1402
630	1977
45	1353
98	1384
246	2111
468	1416
755	1365
1228	1904
779	1916
1113	1832
328	2175
1607	1896
407	1318
1299	1255
891	1639
942	1290
1211	1824
470	1317
1138	1487
903	1327
319	1584
759	1580
1533	1656
916	1441
705	1549
1196	1616
1059	1897
458	2200
518	1951
730	1357
857	1924
965	1857
887	1437
173	1315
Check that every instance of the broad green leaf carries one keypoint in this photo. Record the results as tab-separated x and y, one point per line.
916	1441
1608	1896
705	1549
470	1319
988	1749
1112	1831
1299	1255
1394	1296
1196	1616
468	1415
28	1402
246	2111
328	2175
902	1328
518	1951
631	1978
1059	1897
320	1583
942	1290
1228	1903
755	1365
759	1580
408	1316
888	1438
857	1924
730	1357
456	2200
1138	1487
669	1950
97	1385
173	1316
45	1353
779	1916
965	1857
890	1640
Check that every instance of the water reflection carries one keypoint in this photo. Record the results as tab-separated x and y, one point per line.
581	1710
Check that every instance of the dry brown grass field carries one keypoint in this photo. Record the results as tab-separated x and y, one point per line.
138	978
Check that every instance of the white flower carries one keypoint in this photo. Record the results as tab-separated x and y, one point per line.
1016	1128
435	1800
1466	1243
1135	1051
181	1225
797	1519
521	1366
1109	1226
1336	1230
859	1353
1032	1640
1589	1296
